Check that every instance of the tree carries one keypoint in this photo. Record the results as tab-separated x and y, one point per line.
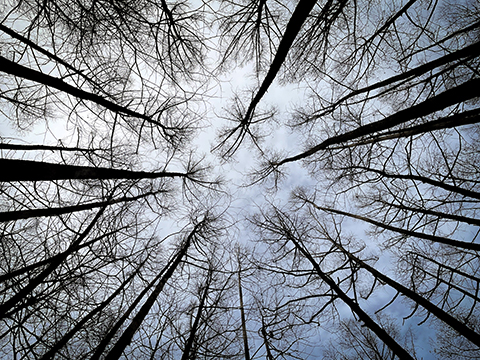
352	341
119	239
285	229
451	346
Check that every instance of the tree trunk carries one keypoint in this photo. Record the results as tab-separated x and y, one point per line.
454	121
440	215
21	295
54	258
300	14
9	146
368	321
26	214
68	336
242	312
438	239
54	57
187	351
439	313
461	93
266	342
23	72
423	179
26	170
465	53
168	271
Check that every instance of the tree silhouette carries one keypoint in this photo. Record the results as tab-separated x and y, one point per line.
120	239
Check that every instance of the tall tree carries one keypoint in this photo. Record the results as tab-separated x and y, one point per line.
117	238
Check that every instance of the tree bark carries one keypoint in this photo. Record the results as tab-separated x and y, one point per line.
266	342
22	294
351	303
168	271
26	170
26	214
461	93
438	239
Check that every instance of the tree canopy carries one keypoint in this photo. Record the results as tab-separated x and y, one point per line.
239	180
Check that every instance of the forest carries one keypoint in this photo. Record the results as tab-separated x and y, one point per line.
252	179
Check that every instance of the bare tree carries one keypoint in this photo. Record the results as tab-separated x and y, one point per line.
115	234
352	341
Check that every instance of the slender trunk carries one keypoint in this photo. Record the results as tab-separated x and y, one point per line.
258	23
187	352
23	72
242	312
52	56
22	294
461	93
368	321
468	276
266	342
68	336
425	180
439	279
9	146
438	239
54	258
109	336
390	21
441	215
454	121
26	170
294	25
168	271
439	313
25	214
468	52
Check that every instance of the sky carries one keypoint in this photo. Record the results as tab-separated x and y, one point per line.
246	199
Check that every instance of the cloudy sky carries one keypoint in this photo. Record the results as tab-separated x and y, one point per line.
242	198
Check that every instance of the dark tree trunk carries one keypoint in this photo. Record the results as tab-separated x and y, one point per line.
461	93
441	314
23	270
68	336
23	72
242	312
423	179
26	170
352	304
22	294
25	214
438	239
167	272
188	351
